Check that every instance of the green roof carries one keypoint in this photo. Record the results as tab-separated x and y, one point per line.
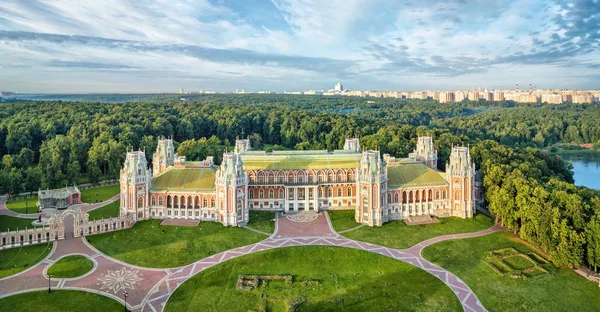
185	179
290	161
413	175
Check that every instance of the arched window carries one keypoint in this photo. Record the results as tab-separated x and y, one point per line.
350	191
321	192
444	196
176	201
197	202
140	203
290	178
389	198
437	194
181	202
281	178
330	177
271	178
153	201
300	179
349	177
321	177
251	194
212	203
204	202
169	201
280	193
310	178
339	177
396	197
261	178
330	192
339	192
456	195
240	205
271	194
261	194
160	201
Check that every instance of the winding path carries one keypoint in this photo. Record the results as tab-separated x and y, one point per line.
86	207
150	289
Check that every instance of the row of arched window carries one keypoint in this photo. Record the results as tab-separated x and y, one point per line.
280	193
411	196
320	176
182	201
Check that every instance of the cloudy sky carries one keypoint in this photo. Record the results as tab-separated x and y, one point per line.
163	45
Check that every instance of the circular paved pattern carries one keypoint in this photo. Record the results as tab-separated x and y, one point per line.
150	289
303	217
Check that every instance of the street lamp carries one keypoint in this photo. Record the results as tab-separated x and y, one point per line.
125	295
49	277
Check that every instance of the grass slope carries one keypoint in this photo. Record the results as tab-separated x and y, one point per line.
104	193
13	223
18	206
59	301
396	234
15	260
70	266
560	290
262	221
342	219
145	244
108	211
379	284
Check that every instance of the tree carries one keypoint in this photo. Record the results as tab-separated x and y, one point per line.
592	235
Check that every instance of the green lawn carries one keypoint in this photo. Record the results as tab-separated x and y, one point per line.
145	244
560	290
342	279
13	223
397	234
15	260
59	301
104	193
110	210
342	219
18	206
70	266
262	221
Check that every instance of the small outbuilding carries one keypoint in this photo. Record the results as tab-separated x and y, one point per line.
58	198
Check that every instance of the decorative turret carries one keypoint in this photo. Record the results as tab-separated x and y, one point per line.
135	180
242	146
371	199
425	152
164	156
460	174
232	187
352	145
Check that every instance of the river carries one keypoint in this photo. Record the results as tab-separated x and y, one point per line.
586	167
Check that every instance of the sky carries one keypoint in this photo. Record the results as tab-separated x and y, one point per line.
85	46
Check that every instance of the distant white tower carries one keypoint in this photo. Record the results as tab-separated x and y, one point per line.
339	87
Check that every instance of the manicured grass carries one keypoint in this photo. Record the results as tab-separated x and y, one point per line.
560	290
262	221
14	223
344	279
150	244
15	260
104	193
59	301
342	219
70	266
108	211
18	206
397	234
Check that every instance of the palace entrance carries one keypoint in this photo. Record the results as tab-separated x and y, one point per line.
69	224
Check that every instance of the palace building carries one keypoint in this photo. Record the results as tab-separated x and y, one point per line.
378	187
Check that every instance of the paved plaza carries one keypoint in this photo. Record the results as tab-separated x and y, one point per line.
150	289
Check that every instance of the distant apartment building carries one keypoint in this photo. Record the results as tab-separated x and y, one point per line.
446	97
528	98
567	98
488	96
339	87
313	92
552	98
473	96
498	96
459	96
419	96
436	96
180	90
582	98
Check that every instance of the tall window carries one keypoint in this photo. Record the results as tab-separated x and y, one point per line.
396	197
280	193
261	194
339	192
140	203
350	191
251	194
160	201
204	203
271	194
389	198
153	201
212	203
330	192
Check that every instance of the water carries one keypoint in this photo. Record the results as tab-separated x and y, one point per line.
586	167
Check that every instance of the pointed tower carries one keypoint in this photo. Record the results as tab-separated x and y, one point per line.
371	187
425	152
164	156
242	146
232	187
460	174
135	180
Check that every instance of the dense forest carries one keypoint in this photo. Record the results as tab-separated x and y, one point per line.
54	143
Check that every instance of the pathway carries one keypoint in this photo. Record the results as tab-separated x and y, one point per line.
150	289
